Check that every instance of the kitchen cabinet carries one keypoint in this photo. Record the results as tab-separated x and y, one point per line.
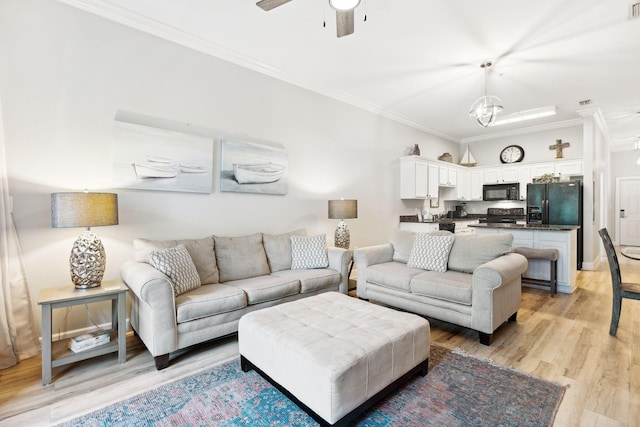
501	175
463	185
524	178
564	241
420	227
475	184
448	176
572	167
418	178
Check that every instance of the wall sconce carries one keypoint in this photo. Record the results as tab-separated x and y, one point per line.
343	209
88	258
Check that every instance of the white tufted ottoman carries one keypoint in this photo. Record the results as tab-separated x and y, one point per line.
334	355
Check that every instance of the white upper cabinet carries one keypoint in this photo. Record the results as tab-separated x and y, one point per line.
463	185
476	182
501	174
448	176
569	167
415	177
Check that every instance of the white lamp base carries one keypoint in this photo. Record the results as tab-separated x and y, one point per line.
87	260
342	237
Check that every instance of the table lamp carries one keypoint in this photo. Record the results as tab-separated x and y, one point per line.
88	210
343	209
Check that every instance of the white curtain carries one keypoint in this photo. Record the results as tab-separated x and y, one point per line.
18	335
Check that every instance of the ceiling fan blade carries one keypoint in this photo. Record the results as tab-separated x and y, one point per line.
344	22
267	5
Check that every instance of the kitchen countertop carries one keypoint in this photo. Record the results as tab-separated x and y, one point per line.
542	227
470	217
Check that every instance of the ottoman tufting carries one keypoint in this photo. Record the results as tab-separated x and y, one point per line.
334	355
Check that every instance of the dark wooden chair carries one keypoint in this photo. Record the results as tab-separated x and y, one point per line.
620	289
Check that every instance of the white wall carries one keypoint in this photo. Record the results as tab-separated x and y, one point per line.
64	75
535	144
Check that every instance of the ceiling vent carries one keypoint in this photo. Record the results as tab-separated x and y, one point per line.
634	11
585	102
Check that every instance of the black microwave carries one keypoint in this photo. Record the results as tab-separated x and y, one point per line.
492	192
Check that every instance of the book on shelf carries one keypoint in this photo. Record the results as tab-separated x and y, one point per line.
88	341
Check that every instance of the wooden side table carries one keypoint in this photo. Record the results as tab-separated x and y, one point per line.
66	296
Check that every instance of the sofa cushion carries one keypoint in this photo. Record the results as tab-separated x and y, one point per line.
448	286
312	280
201	251
393	275
278	249
309	252
176	263
240	257
209	300
470	251
430	252
402	242
266	288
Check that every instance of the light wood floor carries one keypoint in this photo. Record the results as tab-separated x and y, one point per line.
564	339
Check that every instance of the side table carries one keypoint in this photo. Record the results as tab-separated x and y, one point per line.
66	296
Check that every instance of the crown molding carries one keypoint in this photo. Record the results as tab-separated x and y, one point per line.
159	29
522	131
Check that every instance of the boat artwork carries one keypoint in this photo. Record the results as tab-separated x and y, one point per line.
161	167
261	173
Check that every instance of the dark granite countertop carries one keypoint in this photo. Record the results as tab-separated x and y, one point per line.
470	217
542	227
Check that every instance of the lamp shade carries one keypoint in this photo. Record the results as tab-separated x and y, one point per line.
83	209
344	5
343	209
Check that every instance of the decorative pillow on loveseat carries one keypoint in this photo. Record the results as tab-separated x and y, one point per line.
471	251
309	252
176	263
430	252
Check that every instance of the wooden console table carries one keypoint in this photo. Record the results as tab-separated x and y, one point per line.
67	296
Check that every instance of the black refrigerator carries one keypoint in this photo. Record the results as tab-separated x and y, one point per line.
557	203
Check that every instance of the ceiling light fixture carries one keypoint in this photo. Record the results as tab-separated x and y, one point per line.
344	5
486	108
521	116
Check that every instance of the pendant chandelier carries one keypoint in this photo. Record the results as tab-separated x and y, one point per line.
486	108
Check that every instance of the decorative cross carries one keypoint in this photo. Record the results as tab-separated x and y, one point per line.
558	146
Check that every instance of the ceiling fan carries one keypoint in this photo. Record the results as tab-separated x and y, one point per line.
344	12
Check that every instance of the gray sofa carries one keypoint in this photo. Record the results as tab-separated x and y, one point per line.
188	297
478	286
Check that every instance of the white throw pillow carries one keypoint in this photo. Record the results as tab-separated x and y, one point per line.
430	252
309	252
177	264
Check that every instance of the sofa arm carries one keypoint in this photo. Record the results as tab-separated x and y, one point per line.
370	255
153	312
500	270
496	291
340	260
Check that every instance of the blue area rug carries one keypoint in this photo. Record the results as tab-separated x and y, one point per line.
460	390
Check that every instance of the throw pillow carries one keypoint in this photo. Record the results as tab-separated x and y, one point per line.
278	249
176	263
471	251
309	252
430	252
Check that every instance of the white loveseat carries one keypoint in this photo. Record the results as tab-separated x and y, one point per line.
172	310
479	287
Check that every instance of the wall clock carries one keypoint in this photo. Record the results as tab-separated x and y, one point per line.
512	154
